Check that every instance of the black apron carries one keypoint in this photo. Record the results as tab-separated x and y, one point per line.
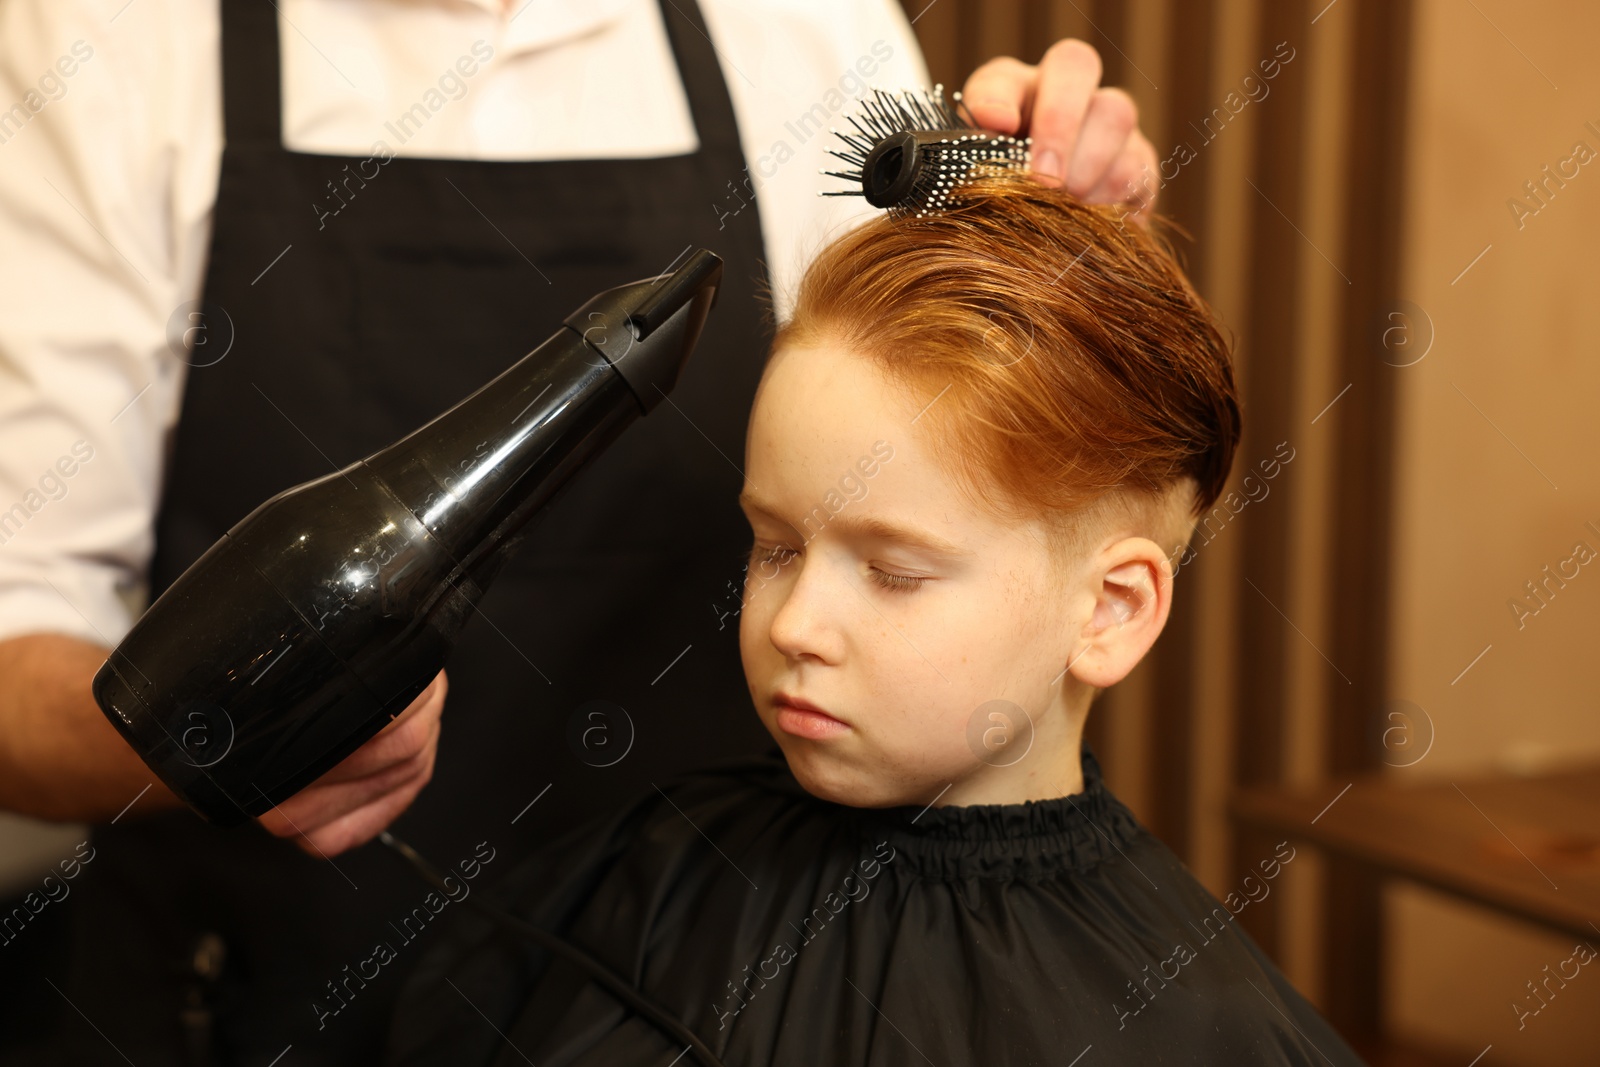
432	277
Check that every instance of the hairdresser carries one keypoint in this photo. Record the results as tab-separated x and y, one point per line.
246	243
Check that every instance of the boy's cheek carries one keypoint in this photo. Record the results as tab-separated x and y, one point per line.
751	631
928	725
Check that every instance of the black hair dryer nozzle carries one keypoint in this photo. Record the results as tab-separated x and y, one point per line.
330	607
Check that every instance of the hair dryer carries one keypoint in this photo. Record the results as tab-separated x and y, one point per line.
331	606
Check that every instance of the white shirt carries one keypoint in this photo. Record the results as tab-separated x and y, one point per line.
110	149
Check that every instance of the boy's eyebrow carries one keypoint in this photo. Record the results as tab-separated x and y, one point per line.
865	526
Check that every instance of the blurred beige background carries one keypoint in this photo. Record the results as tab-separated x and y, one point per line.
1487	498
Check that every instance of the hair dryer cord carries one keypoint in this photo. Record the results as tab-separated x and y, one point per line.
608	978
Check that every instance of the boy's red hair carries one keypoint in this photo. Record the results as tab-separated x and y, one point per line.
1069	353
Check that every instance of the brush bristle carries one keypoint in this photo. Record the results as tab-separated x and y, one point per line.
951	146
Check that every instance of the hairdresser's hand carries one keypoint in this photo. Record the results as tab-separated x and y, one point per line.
1082	134
361	796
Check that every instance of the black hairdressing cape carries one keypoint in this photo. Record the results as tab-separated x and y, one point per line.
786	930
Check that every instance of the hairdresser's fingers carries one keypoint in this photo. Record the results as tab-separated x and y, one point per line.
1084	136
361	825
1112	118
1131	179
321	803
383	774
352	813
400	739
1000	93
1069	74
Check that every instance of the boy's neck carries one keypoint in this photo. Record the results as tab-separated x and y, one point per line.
1051	766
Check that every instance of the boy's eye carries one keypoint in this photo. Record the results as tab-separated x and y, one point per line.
772	558
899	583
771	554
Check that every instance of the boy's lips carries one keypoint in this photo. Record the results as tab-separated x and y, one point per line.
804	719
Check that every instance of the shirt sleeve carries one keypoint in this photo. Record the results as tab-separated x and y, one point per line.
104	218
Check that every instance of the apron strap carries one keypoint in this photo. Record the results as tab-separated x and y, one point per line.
701	71
252	108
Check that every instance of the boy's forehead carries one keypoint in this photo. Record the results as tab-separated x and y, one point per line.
798	370
820	408
827	417
829	393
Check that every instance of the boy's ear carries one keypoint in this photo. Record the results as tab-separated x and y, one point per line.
1133	597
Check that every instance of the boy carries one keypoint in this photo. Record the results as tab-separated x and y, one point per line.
980	440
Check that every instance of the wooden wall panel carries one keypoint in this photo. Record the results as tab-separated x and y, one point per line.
1271	336
1363	476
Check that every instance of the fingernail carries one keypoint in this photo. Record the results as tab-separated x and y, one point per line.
1047	162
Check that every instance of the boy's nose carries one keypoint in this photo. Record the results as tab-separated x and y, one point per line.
807	623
